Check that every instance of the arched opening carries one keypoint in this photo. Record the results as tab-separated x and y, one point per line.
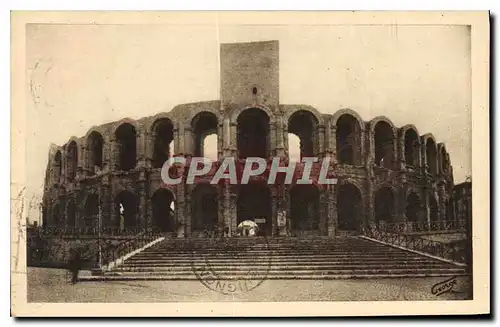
95	144
430	154
304	125
413	210
57	166
349	207
163	135
254	201
433	209
71	214
442	160
126	137
253	134
72	162
348	140
163	212
384	205
384	145
304	208
127	210
204	126
205	209
91	210
293	147
412	146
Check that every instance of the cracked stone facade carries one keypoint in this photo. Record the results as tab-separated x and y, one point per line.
385	173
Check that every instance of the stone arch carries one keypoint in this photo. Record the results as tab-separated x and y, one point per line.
411	144
163	218
126	142
305	125
126	208
95	145
204	207
304	207
430	153
71	160
384	205
162	131
289	111
347	111
383	133
349	207
236	112
212	110
253	133
57	166
349	137
204	124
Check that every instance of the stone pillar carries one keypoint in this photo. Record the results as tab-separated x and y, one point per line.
226	209
233	137
323	214
274	209
332	209
106	203
280	147
285	138
442	202
176	141
188	141
321	141
143	201
226	133
80	166
148	149
114	154
181	136
180	207
188	215
333	142
272	139
141	149
401	151
427	208
220	141
394	165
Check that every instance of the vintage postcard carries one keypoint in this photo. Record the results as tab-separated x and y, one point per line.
250	163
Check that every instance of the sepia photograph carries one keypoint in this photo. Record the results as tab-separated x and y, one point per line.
252	159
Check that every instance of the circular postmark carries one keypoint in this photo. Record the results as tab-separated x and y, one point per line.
231	265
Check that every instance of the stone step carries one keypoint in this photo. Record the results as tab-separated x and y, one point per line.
280	267
276	257
302	272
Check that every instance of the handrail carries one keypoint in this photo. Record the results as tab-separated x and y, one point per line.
113	252
424	226
451	251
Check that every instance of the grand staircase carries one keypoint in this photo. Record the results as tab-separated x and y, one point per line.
276	258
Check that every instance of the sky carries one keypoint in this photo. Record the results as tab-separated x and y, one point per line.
86	75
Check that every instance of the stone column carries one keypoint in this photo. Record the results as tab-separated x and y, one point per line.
280	147
180	206
226	133
188	215
274	209
188	141
272	140
148	149
220	141
80	166
181	136
233	137
333	142
143	201
106	203
321	141
176	141
401	151
323	214
442	202
394	165
427	212
141	149
331	210
114	154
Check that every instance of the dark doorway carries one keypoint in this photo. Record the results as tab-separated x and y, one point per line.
304	125
95	142
253	134
91	219
205	209
127	210
163	135
304	207
126	138
349	207
412	148
254	201
384	205
348	140
163	214
413	209
384	146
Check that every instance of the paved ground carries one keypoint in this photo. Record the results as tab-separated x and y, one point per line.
52	285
